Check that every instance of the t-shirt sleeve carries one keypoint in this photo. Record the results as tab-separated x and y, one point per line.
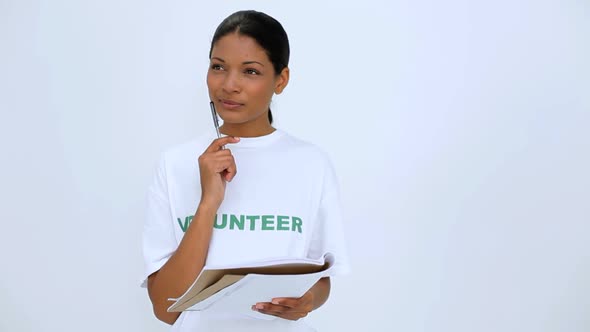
158	240
328	234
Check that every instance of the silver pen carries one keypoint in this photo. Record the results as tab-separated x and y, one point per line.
215	121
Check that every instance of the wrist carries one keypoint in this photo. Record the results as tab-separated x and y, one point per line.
207	207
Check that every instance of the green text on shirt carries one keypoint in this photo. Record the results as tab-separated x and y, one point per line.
251	223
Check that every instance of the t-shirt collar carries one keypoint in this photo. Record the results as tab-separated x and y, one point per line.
258	141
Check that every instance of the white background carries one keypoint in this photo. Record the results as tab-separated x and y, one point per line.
459	131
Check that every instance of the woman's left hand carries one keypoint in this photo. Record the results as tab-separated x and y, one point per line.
287	307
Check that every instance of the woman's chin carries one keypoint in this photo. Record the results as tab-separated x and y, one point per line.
233	119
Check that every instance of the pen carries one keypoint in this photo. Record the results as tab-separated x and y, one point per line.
215	121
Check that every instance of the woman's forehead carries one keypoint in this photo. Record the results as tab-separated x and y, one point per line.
240	48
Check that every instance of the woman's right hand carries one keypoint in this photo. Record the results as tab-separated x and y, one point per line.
216	166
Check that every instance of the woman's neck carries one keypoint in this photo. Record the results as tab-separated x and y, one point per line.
244	130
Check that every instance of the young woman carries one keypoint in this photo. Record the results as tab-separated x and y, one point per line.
284	189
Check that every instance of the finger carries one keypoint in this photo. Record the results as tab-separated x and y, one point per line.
219	142
287	301
274	313
227	167
269	307
216	166
291	315
221	153
223	163
231	170
214	157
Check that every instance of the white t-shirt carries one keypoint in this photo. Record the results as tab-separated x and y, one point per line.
283	202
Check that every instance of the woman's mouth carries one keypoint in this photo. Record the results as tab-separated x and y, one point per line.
230	104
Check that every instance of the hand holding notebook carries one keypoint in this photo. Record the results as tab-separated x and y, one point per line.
233	289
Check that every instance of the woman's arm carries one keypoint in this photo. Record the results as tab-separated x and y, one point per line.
183	267
296	308
321	292
216	167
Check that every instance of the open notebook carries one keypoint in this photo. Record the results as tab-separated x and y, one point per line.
234	289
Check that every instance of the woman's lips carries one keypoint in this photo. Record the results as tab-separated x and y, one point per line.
230	104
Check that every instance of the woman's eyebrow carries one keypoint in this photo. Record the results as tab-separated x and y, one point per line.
244	63
251	62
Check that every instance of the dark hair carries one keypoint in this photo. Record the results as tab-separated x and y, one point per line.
267	32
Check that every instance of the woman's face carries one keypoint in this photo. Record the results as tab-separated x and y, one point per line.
241	79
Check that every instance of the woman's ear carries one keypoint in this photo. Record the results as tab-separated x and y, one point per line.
282	80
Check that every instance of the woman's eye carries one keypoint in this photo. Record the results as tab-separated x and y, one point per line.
252	72
216	67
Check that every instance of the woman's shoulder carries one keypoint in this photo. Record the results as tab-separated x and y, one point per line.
307	148
298	141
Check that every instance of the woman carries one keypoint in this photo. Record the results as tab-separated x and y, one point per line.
286	188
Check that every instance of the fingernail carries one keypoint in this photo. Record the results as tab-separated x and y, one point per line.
275	301
259	306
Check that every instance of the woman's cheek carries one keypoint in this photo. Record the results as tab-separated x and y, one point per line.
263	92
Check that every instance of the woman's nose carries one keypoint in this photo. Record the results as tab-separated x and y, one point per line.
231	83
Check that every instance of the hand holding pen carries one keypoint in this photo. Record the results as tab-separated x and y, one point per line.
217	166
